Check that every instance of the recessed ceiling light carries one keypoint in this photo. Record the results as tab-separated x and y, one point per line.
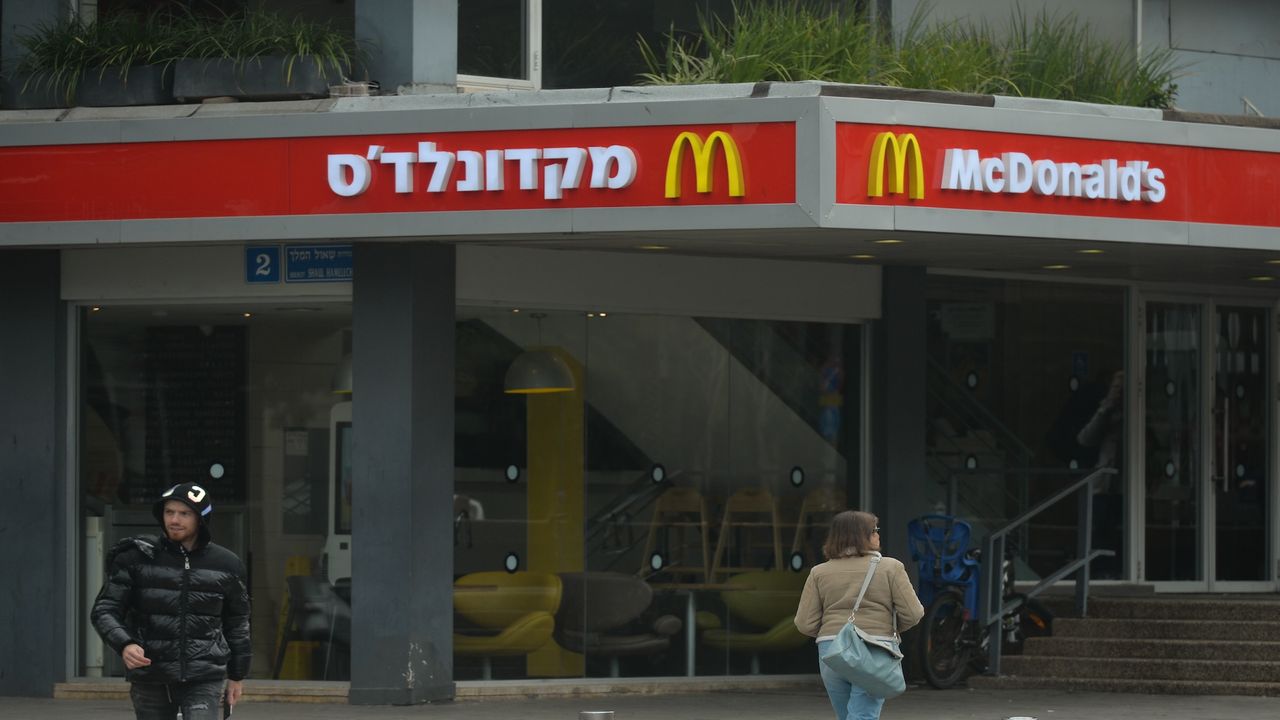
1056	267
603	314
248	314
862	256
1262	278
1091	251
591	314
890	241
653	247
95	308
1274	262
515	310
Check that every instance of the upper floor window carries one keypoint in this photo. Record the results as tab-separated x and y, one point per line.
500	44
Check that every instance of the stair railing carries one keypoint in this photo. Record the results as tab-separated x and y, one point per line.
994	607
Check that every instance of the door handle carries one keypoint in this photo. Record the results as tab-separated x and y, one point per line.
1226	444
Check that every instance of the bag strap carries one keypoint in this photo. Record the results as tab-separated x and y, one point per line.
866	581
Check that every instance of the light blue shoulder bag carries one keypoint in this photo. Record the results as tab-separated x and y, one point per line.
872	663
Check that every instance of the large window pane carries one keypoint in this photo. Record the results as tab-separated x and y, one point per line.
1025	394
678	424
493	38
240	399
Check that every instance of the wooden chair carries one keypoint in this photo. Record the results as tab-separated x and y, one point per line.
817	509
675	512
749	509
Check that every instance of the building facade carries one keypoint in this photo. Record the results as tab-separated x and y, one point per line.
467	369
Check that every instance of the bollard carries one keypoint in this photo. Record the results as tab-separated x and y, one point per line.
595	715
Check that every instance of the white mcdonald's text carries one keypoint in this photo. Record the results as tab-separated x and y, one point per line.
612	168
1017	173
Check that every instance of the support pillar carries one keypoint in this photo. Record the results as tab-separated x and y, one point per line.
34	647
900	476
556	500
19	17
402	469
413	44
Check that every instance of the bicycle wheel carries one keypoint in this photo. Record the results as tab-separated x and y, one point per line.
946	649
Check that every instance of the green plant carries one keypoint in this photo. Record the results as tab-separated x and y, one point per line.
767	41
1050	56
53	59
253	33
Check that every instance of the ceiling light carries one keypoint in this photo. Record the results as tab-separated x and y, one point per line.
95	308
653	247
1056	267
1091	251
248	314
535	372
515	310
1262	278
603	314
889	241
1274	262
862	256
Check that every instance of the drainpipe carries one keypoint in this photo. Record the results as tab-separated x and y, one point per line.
1137	29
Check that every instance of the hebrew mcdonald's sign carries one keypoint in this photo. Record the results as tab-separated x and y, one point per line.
905	149
703	153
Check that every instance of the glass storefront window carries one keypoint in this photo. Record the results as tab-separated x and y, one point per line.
676	495
1025	394
239	398
655	519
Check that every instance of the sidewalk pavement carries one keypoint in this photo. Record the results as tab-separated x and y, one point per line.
920	703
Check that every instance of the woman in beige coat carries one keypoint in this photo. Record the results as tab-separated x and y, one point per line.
831	590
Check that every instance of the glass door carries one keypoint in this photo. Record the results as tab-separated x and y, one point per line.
1174	421
1241	478
1205	443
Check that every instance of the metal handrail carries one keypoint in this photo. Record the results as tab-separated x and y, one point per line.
993	555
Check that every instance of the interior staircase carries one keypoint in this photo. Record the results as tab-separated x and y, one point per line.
1177	645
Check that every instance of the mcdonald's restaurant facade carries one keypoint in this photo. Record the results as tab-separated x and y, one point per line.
475	367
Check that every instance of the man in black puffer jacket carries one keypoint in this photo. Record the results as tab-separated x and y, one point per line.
176	608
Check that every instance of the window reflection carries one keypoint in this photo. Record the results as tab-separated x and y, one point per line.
1026	394
169	392
675	459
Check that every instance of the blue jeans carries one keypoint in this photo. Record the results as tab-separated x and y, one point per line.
157	701
848	700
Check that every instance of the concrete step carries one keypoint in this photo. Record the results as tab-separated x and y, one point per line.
1082	647
1142	669
1264	608
1152	687
1166	629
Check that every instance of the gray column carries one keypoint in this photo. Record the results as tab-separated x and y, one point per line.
899	483
34	514
19	17
412	44
402	465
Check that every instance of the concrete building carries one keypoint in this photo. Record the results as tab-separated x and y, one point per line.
565	383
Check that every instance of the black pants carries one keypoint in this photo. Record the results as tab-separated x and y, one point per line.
196	700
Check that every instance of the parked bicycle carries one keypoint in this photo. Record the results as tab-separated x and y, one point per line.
953	640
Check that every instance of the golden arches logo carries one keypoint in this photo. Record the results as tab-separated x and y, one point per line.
703	153
906	149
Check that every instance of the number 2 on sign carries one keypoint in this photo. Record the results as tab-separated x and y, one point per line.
263	268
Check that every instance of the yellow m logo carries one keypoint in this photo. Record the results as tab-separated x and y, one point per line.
703	152
897	170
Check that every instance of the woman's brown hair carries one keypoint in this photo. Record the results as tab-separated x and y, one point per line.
850	534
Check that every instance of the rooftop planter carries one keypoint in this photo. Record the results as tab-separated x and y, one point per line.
131	59
122	60
259	55
1051	55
